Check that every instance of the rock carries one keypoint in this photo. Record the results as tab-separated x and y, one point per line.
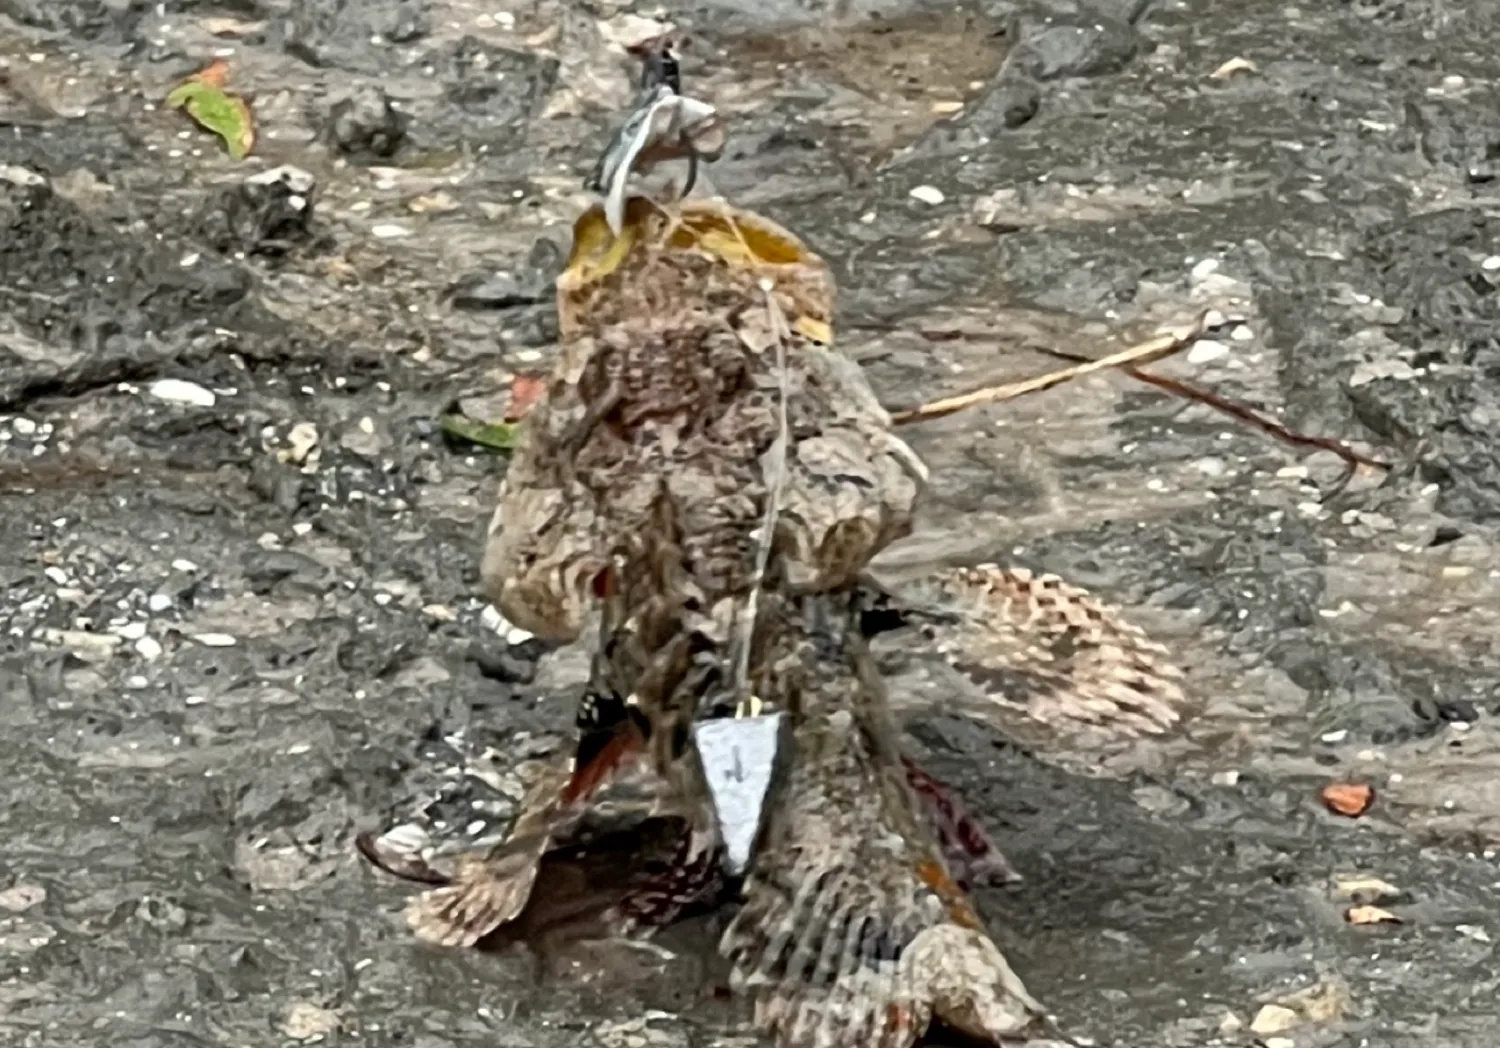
132	630
354	34
1011	101
22	897
1273	1018
364	124
493	291
529	284
91	647
21	176
265	568
160	913
1092	45
309	1022
266	214
502	665
364	439
179	391
1206	351
301	445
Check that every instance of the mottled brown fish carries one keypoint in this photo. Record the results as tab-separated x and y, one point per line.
698	495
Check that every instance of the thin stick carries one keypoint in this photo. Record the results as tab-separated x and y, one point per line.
1144	353
1353	459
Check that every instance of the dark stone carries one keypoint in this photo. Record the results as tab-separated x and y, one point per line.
265	568
529	284
1010	102
494	79
533	326
364	124
266	214
1447	416
1100	47
80	19
353	34
502	664
1457	711
493	291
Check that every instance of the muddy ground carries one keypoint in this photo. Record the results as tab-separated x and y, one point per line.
236	633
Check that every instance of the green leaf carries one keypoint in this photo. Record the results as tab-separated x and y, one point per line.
502	436
218	111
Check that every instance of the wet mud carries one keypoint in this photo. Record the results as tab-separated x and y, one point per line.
238	620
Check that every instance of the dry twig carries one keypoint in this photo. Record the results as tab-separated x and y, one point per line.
1144	353
1129	361
1352	459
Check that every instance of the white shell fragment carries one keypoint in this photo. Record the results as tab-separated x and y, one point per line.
178	391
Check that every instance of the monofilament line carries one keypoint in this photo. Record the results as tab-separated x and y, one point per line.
775	482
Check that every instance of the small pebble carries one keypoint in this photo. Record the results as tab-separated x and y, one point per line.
177	391
22	897
408	837
132	630
389	231
159	602
183	565
927	194
1204	269
23	426
215	640
1207	350
148	648
301	439
309	1022
1490	264
1274	1018
57	576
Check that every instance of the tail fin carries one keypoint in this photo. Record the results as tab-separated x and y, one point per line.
853	935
